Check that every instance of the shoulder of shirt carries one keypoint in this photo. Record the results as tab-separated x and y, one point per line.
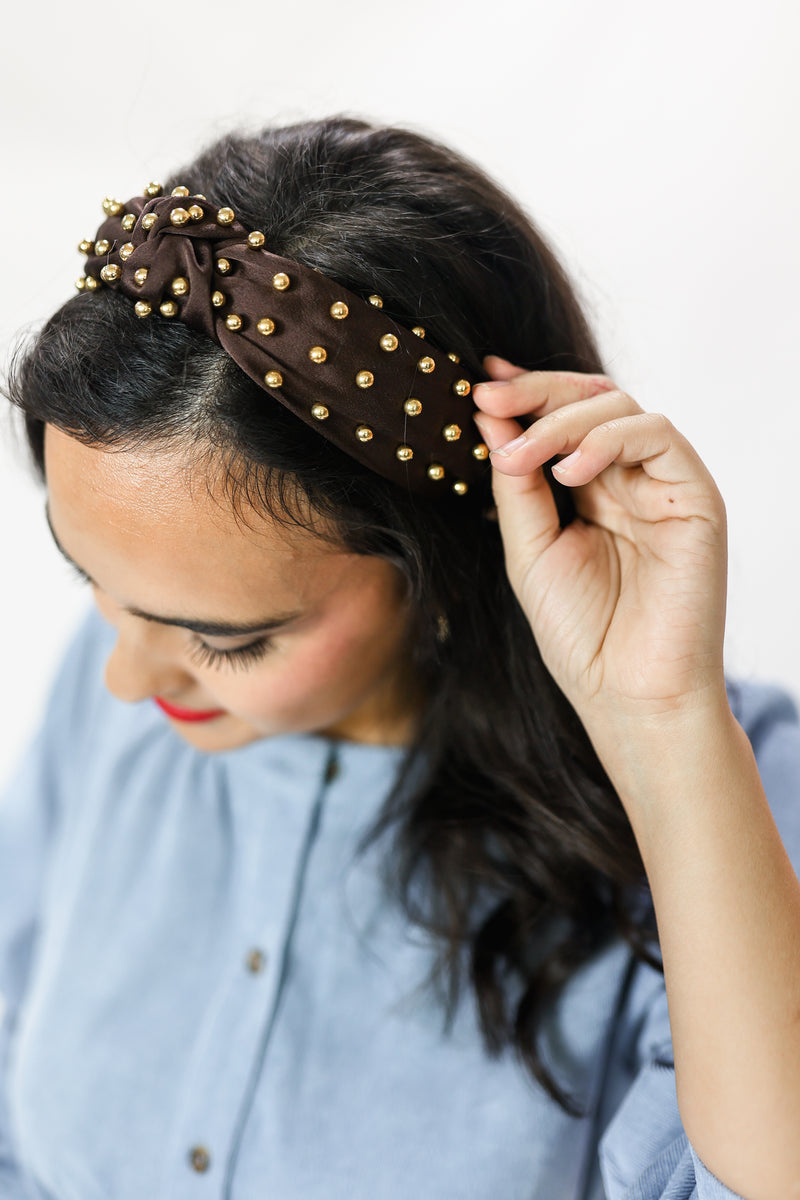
769	716
759	707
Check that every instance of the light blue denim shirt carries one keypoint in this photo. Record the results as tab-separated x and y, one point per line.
208	995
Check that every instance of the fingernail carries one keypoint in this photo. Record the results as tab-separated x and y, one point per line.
493	384
511	446
567	462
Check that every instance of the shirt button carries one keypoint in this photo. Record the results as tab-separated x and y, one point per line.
199	1158
256	961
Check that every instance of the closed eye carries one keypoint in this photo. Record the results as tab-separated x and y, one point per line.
240	657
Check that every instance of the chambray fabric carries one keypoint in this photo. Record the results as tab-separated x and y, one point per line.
137	878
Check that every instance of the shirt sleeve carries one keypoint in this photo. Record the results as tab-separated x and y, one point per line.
30	815
644	1152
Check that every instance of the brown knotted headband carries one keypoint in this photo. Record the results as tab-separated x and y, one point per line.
371	386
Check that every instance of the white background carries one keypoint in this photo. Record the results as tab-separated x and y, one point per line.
656	146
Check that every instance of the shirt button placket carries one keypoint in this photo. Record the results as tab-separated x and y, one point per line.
256	963
332	766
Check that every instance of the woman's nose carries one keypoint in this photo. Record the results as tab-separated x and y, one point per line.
144	661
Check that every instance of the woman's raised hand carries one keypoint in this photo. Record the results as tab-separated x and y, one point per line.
627	603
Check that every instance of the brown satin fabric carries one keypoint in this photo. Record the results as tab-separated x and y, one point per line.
302	318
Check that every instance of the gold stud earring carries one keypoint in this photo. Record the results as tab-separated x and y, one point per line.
364	433
320	412
280	281
233	321
462	387
223	266
140	276
256	239
365	379
218	299
426	365
435	471
481	451
142	308
265	326
168	309
179	286
226	216
404	453
149	220
413	407
318	354
451	433
179	216
110	273
389	342
339	310
376	300
273	379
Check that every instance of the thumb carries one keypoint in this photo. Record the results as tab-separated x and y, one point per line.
526	510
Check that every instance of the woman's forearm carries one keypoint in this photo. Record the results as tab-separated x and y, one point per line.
627	605
727	902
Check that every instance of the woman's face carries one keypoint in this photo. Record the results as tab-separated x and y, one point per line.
251	631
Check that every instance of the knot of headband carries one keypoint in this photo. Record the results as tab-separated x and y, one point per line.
374	388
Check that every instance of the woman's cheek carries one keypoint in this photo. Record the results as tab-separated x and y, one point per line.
284	682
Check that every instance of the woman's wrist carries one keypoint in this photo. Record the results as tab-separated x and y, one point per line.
656	753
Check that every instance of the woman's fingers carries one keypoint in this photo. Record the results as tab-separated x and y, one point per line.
561	432
526	510
648	440
515	393
594	434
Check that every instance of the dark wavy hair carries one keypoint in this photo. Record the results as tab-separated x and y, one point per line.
511	847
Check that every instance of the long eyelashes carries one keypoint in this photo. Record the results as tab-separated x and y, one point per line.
241	658
78	572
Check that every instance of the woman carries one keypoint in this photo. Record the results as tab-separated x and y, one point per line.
346	882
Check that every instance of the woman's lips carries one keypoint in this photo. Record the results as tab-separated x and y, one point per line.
188	714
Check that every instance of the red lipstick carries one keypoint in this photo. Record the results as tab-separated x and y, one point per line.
188	714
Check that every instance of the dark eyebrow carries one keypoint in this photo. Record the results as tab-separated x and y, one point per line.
209	628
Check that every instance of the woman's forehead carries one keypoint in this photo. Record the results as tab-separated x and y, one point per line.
164	489
148	521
